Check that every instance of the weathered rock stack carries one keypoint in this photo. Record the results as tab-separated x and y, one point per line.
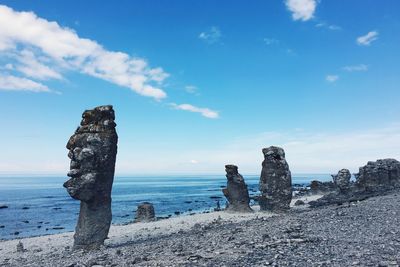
275	181
145	213
379	175
236	191
93	150
342	180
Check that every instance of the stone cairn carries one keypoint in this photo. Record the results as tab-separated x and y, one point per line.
275	181
342	180
236	191
383	174
145	213
93	150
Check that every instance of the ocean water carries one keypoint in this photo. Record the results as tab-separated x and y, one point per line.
40	205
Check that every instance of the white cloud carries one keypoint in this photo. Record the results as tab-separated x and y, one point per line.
13	83
301	9
360	67
367	39
193	161
331	27
206	112
331	78
31	67
63	48
211	36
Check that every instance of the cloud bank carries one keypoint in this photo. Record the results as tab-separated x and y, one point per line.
43	50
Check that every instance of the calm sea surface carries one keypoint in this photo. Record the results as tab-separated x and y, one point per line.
40	205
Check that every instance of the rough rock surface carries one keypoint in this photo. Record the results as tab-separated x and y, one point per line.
379	175
92	150
318	187
145	212
363	233
275	181
236	191
342	179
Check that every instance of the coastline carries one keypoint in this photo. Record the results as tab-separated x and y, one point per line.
132	232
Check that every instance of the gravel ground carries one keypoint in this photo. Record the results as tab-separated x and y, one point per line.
365	233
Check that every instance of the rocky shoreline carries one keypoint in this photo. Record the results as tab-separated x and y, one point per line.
362	233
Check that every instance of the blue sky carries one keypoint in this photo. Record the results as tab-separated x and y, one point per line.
199	84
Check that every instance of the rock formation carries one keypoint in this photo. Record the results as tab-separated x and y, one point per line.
145	212
93	150
342	180
379	175
318	187
275	181
236	191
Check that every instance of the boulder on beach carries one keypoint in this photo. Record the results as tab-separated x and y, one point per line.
145	213
275	181
317	187
379	175
92	150
236	191
342	179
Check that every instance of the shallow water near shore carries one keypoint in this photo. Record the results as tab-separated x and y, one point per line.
40	205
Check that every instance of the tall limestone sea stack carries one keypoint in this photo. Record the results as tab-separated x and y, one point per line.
236	191
93	150
275	181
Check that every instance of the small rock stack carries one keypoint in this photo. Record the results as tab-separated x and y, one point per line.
342	180
93	150
145	213
379	175
236	191
275	181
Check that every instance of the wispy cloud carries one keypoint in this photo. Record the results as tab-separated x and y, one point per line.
360	67
13	83
191	89
331	78
367	39
301	9
271	41
41	46
212	36
331	27
205	112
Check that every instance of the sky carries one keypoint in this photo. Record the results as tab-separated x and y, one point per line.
199	84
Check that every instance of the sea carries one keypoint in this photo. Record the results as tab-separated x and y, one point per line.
39	205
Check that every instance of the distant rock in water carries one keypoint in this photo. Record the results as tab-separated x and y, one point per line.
236	191
92	150
342	179
145	212
379	175
275	181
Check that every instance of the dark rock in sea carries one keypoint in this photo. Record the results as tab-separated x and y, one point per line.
236	191
58	228
379	175
39	226
92	150
188	202
342	179
2	226
25	208
25	221
57	208
3	207
215	197
20	247
177	212
299	202
16	233
318	187
145	212
275	181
